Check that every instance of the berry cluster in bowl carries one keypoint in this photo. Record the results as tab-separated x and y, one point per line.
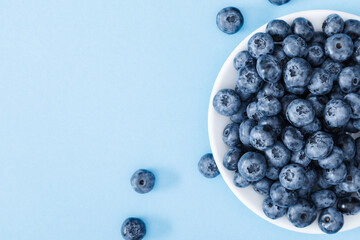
294	107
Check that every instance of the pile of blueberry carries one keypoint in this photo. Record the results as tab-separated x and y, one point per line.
294	107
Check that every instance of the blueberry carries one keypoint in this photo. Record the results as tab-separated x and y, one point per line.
275	122
347	145
252	166
239	181
240	115
292	138
300	113
133	229
300	158
229	20
356	54
278	155
244	96
350	128
321	82
272	89
207	166
244	131
243	59
310	182
336	175
262	137
311	128
295	46
357	150
286	100
262	186
334	160
333	24
226	102
231	158
272	172
268	106
322	183
142	181
272	210
330	220
249	80
349	205
318	103
303	28
316	55
339	47
260	44
282	196
353	100
278	2
297	73
323	199
302	214
319	145
337	113
319	37
278	29
340	193
253	112
231	135
292	176
269	68
296	90
334	68
352	180
352	28
349	79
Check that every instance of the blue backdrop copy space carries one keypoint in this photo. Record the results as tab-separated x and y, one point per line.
93	90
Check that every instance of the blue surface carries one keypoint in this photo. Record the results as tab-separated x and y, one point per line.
90	91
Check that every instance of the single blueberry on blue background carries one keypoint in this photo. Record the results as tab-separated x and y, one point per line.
321	82
229	20
244	131
292	176
262	186
269	68
248	80
231	135
303	28
339	47
252	166
278	29
133	229
260	44
300	113
302	214
207	166
349	79
330	220
142	181
231	158
334	160
243	59
295	46
272	210
337	113
335	176
239	181
292	138
319	145
316	55
323	198
352	28
278	155
349	205
282	196
268	106
297	73
226	102
262	137
333	24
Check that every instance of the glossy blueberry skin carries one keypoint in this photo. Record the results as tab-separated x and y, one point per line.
286	100
282	196
231	135
280	54
268	106
244	131
356	53
319	37
353	100
249	80
300	158
207	166
300	113
340	193
337	113
231	158
142	181
292	138
319	145
297	73
278	155
240	115
332	67
349	205
339	47
349	79
229	20
323	199
253	112
278	29
302	214
262	137
295	46
276	122
318	103
352	180
272	210
321	82
252	166
334	160
262	186
272	172
303	28
226	102
272	89
269	68
279	2
316	55
239	181
330	220
347	145
312	128
292	176
260	44
133	229
336	175
243	59
352	28
333	24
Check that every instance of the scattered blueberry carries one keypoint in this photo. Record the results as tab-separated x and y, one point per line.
243	59
260	44
272	210
295	46
226	102
349	205
207	166
333	24
303	28
292	138
262	137
319	145
252	166
133	229
269	68
282	196
302	214
339	47
229	20
231	158
323	199
330	220
231	135
142	181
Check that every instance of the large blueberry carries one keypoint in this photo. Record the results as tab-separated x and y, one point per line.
300	112
278	155
300	158
278	2
339	47
231	135
133	229
231	158
352	180
226	102
268	106
292	138
297	73
260	44
229	20
333	24
302	214
292	176
330	220
352	28
334	68
243	59
319	145
295	46
276	122
262	186
347	145
252	166
244	131
262	137
323	198
321	82
312	127
349	79
337	113
207	166
318	103
240	181
272	89
349	205
336	175
248	79
278	29
316	55
253	112
353	100
142	181
282	196
303	28
269	68
272	210
240	115
334	160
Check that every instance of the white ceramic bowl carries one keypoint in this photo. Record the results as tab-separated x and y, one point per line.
216	124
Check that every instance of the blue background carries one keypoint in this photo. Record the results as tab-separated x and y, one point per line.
91	91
